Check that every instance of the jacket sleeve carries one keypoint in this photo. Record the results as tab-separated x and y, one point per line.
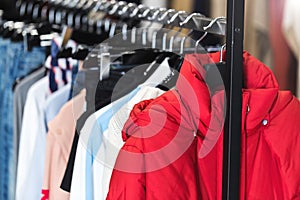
126	185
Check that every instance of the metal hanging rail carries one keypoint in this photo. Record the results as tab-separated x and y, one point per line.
56	11
232	131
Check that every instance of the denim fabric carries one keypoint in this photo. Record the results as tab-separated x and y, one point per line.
4	44
18	63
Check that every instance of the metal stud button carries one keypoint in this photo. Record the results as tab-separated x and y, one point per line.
248	108
265	122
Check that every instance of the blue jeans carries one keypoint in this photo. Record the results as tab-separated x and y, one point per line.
4	44
19	63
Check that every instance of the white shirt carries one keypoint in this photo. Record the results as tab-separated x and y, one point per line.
32	143
112	138
88	174
39	104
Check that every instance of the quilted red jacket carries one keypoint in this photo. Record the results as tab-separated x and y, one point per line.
173	146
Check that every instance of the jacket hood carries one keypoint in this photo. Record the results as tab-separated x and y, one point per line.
205	111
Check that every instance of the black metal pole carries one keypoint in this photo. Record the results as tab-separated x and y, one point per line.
232	131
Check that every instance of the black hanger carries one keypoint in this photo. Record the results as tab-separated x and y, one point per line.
29	9
140	56
80	54
7	31
216	75
133	58
65	53
36	11
175	61
45	28
17	36
33	41
2	29
169	82
163	55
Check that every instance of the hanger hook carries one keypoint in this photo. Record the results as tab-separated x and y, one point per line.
144	33
161	18
189	18
213	22
112	29
170	21
116	7
198	41
133	35
221	52
99	5
176	15
124	31
125	8
122	5
136	11
106	5
145	13
156	13
154	36
172	39
107	24
183	41
205	34
152	19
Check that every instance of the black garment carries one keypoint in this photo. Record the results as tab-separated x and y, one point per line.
9	8
202	6
134	1
90	39
106	92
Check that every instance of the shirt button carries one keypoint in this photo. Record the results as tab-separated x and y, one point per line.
265	122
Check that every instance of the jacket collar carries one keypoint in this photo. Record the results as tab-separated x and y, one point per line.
260	86
260	92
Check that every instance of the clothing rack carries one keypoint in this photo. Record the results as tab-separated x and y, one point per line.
233	28
56	12
232	129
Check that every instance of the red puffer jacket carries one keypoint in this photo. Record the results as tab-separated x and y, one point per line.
174	145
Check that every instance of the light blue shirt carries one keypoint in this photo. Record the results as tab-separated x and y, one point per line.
92	133
55	102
